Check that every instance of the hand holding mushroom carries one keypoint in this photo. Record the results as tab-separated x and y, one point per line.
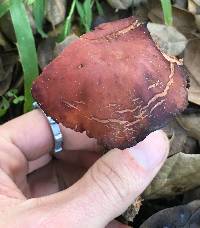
32	182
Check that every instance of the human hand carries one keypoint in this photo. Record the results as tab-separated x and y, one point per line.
29	176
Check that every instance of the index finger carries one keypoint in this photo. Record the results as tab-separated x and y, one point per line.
32	135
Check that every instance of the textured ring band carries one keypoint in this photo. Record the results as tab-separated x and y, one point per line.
55	128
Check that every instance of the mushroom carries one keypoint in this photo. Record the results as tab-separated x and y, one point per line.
114	83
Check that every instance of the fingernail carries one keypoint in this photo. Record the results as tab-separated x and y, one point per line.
152	151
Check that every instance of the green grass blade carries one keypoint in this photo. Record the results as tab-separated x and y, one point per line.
167	11
87	6
29	2
80	9
85	13
38	13
26	48
4	7
68	21
99	8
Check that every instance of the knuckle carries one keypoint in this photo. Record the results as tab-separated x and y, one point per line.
110	180
13	163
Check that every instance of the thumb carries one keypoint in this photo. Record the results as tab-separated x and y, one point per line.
120	176
106	190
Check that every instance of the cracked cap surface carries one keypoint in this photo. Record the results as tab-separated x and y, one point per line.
114	83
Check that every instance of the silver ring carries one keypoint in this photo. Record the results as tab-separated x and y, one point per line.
55	128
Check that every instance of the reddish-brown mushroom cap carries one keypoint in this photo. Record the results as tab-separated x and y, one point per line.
114	83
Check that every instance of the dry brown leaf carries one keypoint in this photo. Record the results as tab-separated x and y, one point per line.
181	3
183	20
197	2
194	92
178	138
120	4
55	11
132	210
175	176
45	52
60	46
192	58
125	4
5	78
193	7
192	62
139	2
7	63
3	42
170	41
191	123
192	195
184	216
6	27
5	84
197	19
30	17
141	11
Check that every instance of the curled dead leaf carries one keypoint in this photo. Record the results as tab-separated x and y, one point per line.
6	28
175	176
169	40
192	58
191	61
3	42
183	20
5	83
181	3
178	138
194	91
5	78
7	63
45	51
197	2
67	41
120	4
132	210
56	11
184	216
29	12
191	123
197	19
194	6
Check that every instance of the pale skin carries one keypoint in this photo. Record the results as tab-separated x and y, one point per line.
80	188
